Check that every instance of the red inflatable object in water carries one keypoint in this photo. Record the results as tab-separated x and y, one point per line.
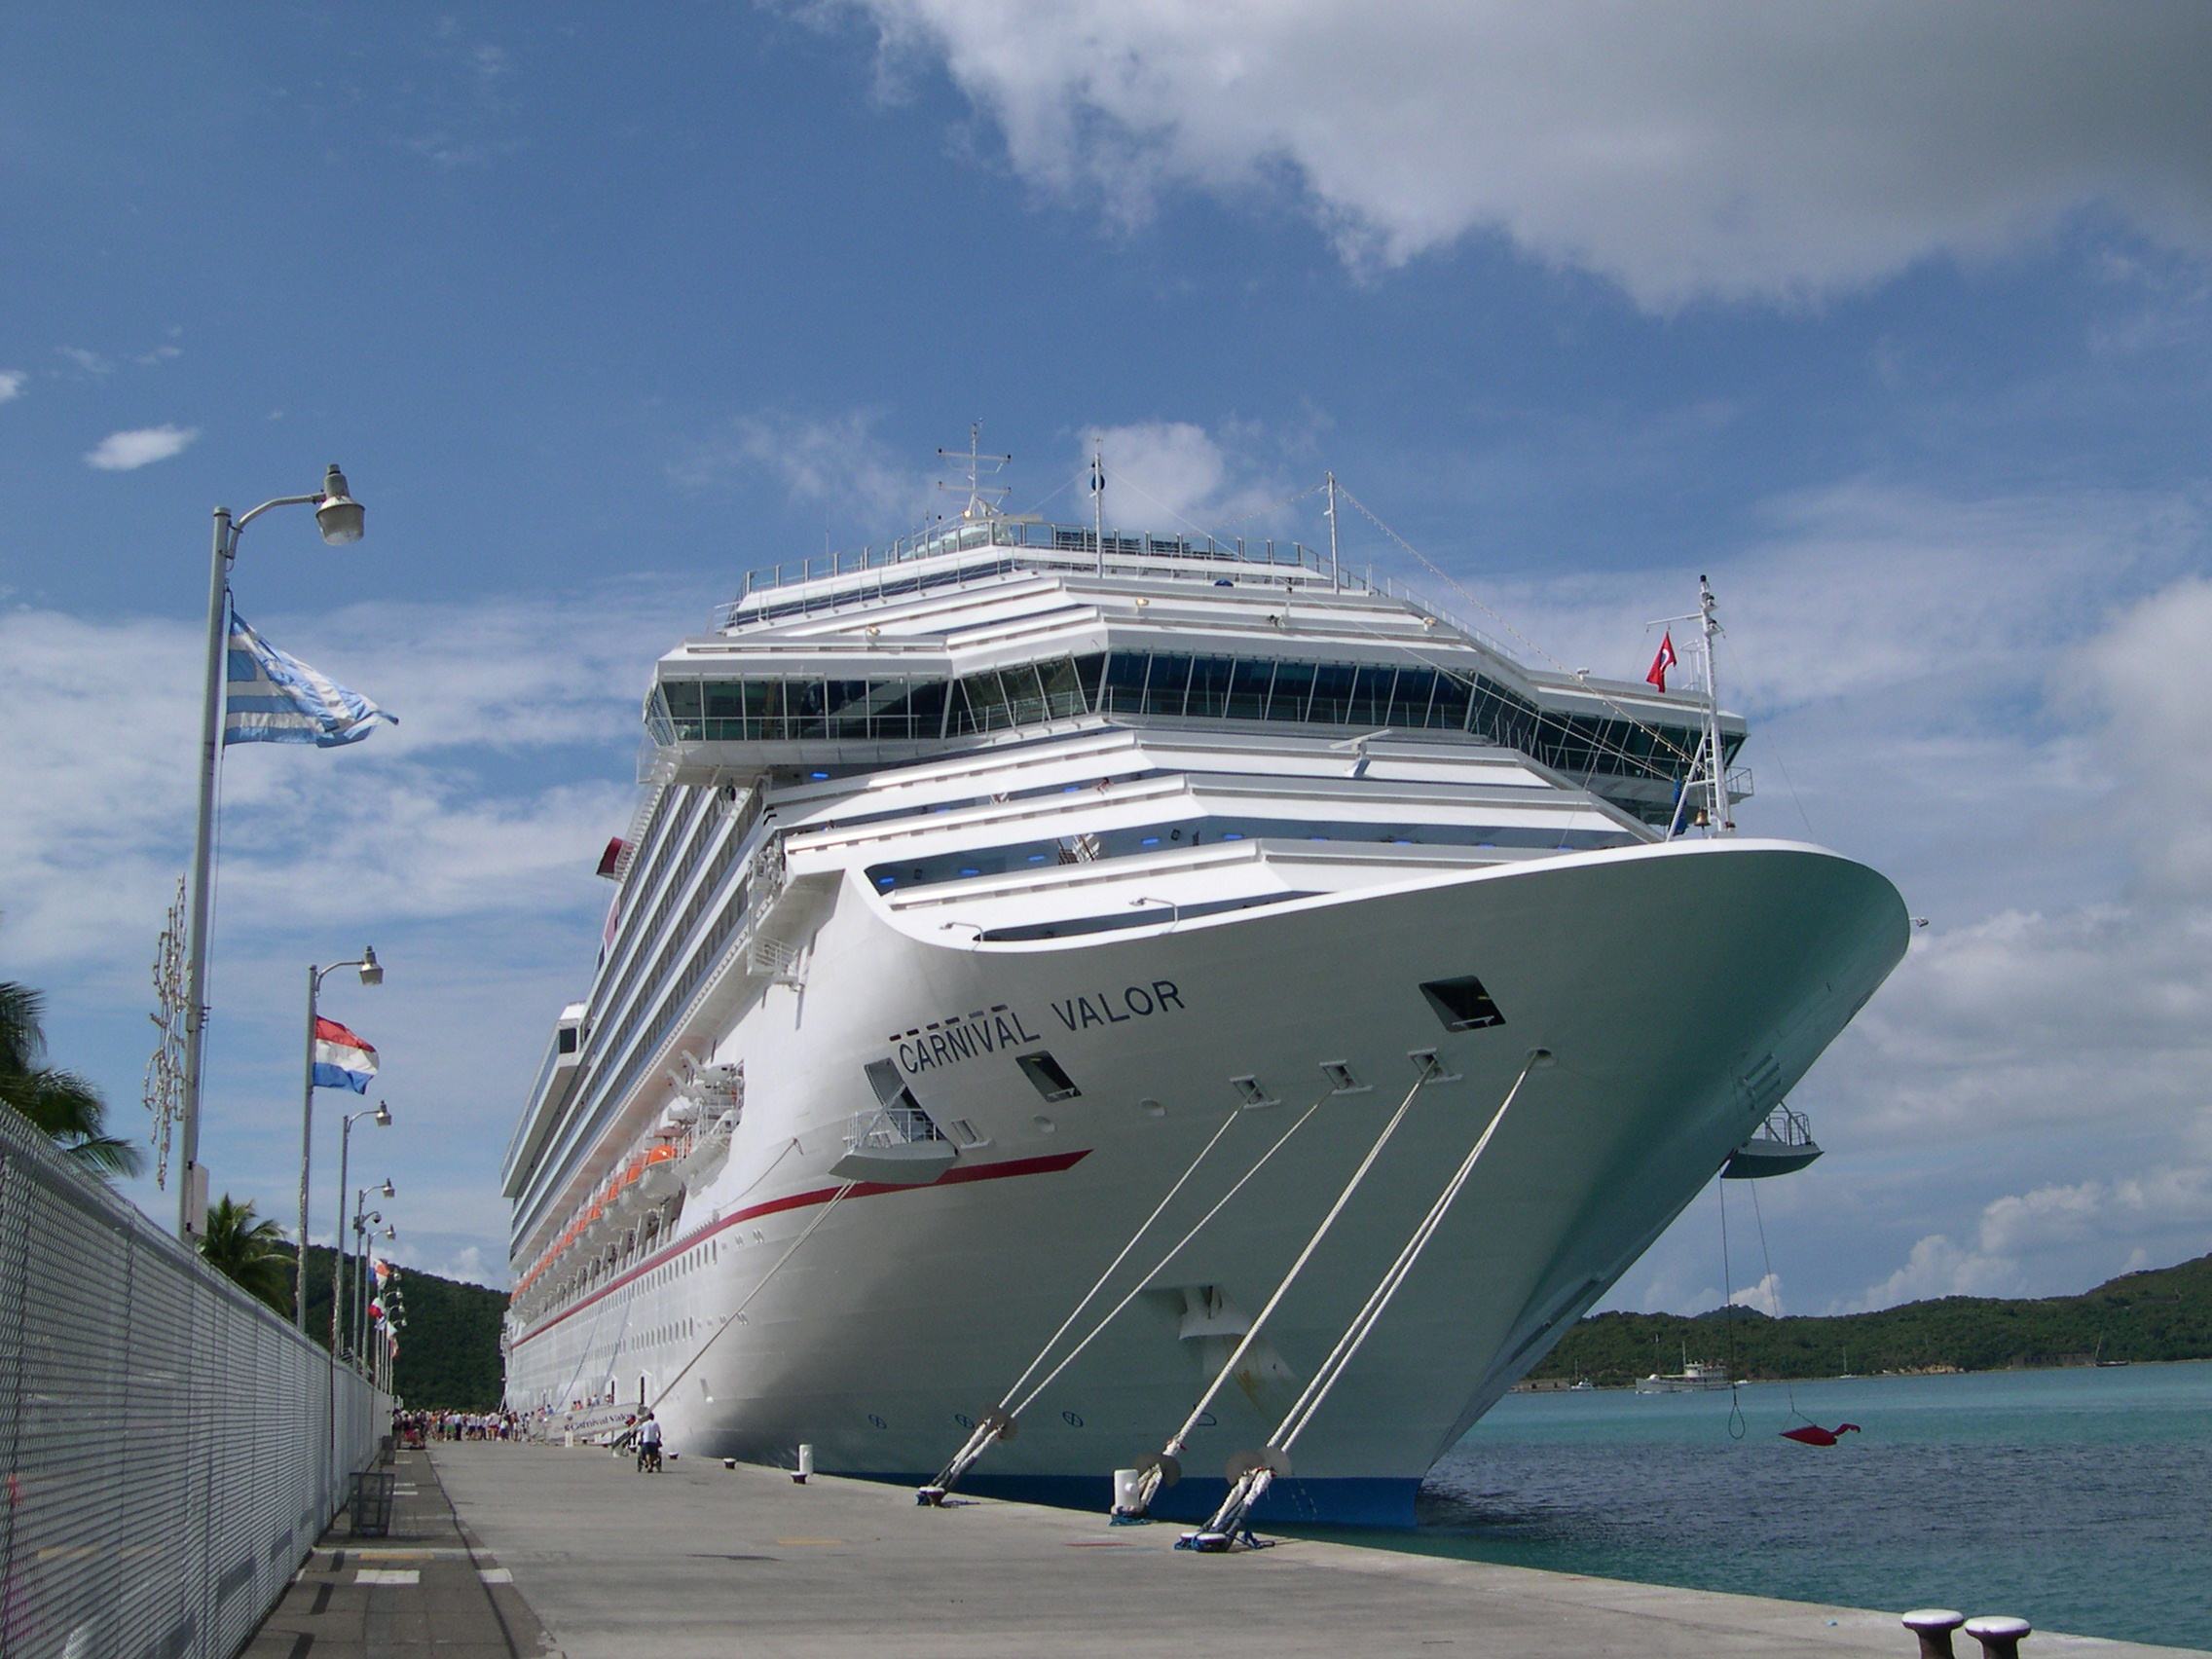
1813	1434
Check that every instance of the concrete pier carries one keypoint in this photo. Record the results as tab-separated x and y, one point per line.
707	1561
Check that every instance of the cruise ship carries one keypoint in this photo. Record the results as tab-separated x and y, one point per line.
988	889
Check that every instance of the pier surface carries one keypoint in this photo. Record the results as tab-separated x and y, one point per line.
607	1563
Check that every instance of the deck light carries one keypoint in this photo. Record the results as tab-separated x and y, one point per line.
340	517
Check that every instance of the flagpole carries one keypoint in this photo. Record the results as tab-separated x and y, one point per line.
341	518
372	974
192	1186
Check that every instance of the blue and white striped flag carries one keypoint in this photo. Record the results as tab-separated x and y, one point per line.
276	698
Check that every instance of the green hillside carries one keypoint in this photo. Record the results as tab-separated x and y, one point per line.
449	1355
2162	1313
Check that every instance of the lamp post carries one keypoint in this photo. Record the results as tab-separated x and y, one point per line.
341	520
383	1115
372	974
362	1224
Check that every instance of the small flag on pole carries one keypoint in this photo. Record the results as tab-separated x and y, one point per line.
273	697
342	1060
1663	661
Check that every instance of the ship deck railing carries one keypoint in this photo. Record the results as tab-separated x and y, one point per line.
1010	544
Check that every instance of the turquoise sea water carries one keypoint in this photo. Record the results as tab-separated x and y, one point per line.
2078	1499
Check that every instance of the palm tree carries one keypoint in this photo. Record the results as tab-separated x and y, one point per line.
249	1251
62	1104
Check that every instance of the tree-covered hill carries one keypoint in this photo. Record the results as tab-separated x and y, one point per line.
2162	1313
449	1355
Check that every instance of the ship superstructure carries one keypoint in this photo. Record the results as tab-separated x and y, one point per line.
977	881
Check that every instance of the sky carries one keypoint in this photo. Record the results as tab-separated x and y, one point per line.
1896	320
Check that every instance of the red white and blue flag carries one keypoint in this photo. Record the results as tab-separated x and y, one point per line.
342	1060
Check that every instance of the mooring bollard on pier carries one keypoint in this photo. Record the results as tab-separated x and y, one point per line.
806	1463
1934	1627
1999	1634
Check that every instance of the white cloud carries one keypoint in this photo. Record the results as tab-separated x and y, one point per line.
838	462
1765	1296
1684	151
12	383
1936	1267
2083	1221
142	446
97	722
1178	470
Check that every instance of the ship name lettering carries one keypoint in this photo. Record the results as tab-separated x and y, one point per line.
964	1040
1140	1001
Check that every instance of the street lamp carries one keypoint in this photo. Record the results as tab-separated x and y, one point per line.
372	974
383	1115
341	519
364	1227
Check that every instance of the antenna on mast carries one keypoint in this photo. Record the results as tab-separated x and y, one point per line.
1099	496
982	500
1722	823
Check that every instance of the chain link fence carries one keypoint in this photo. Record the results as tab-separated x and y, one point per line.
171	1448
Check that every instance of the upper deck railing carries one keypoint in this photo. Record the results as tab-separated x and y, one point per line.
1008	543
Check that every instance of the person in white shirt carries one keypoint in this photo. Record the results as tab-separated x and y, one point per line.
648	1440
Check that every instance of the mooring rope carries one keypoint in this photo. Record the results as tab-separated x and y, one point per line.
995	1424
1181	1438
736	1314
1247	1489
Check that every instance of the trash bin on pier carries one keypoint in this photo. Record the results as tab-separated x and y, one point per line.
368	1505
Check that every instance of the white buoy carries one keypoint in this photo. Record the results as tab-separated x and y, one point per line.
806	1463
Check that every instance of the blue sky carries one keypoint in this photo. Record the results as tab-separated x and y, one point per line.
1896	320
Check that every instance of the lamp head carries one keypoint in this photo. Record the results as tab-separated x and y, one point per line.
372	971
384	1116
338	514
389	1190
388	1233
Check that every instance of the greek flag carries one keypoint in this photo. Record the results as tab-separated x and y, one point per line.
276	698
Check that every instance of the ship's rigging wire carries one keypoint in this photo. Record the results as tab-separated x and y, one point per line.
1657	736
1736	1424
1788	1388
1772	747
730	1319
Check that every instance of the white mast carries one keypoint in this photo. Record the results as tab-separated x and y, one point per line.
982	501
1099	496
1334	581
1715	756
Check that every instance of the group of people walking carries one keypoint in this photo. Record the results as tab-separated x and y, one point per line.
414	1428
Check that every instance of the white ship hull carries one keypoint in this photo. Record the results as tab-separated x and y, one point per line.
1683	986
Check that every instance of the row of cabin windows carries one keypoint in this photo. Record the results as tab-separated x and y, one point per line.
1170	685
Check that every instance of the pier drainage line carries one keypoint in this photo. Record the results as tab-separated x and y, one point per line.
1163	1470
730	1319
999	1424
1252	1473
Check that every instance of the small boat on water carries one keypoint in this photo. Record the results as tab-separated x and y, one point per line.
1699	1379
